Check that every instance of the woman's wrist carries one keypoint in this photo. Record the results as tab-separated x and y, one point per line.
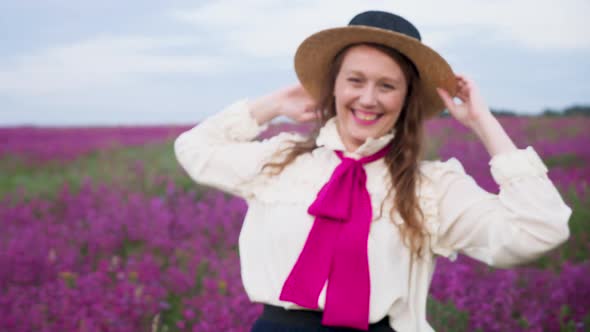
265	108
492	134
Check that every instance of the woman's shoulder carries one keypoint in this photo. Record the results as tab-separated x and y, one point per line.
299	179
434	170
284	137
281	141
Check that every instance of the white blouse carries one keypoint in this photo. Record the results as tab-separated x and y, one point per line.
527	218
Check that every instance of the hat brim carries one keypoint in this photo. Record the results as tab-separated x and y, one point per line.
315	54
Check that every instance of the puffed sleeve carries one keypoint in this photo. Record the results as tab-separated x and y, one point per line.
221	151
526	219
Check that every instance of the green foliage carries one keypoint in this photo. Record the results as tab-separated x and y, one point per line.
523	322
577	110
34	180
130	247
174	306
583	110
574	110
149	168
202	270
172	314
565	324
498	112
446	317
577	248
564	161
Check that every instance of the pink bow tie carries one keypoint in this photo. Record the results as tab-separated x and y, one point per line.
336	248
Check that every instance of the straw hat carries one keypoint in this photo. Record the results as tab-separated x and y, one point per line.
315	54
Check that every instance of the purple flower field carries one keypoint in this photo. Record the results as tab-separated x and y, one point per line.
64	144
100	230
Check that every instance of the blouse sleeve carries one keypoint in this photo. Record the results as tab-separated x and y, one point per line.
526	219
221	151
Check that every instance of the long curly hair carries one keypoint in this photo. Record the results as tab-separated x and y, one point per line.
404	154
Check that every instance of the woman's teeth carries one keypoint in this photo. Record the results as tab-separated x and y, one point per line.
366	116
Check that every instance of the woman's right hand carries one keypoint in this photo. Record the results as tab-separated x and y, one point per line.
293	102
297	104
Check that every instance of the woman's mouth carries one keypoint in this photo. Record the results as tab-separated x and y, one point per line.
366	118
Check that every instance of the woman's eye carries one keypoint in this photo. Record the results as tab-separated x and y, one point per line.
388	86
354	80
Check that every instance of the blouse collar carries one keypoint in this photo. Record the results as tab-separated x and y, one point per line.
330	138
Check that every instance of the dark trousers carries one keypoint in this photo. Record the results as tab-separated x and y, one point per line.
278	319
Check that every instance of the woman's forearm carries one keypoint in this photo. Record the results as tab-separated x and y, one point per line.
492	134
292	102
264	108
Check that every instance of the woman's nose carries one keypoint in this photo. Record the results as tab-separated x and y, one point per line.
368	96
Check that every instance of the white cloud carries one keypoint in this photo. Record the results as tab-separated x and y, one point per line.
536	24
264	28
134	72
97	63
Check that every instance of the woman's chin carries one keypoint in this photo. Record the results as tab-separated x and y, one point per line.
362	135
358	136
359	139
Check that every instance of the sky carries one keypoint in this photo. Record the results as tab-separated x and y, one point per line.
72	63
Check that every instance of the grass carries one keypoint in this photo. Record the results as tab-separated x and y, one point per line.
149	168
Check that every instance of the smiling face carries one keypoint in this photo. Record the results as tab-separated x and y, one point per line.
369	93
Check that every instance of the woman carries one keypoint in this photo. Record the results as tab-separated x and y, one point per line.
344	225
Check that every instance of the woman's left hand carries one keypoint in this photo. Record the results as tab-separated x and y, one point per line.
472	108
474	113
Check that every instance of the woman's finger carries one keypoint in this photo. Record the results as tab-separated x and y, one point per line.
463	95
446	98
461	77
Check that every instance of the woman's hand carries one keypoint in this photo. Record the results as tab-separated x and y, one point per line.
472	108
297	104
474	113
293	102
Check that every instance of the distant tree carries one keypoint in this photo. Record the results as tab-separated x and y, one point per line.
583	110
577	110
552	113
503	112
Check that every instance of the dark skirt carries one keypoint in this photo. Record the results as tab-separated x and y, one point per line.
278	319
